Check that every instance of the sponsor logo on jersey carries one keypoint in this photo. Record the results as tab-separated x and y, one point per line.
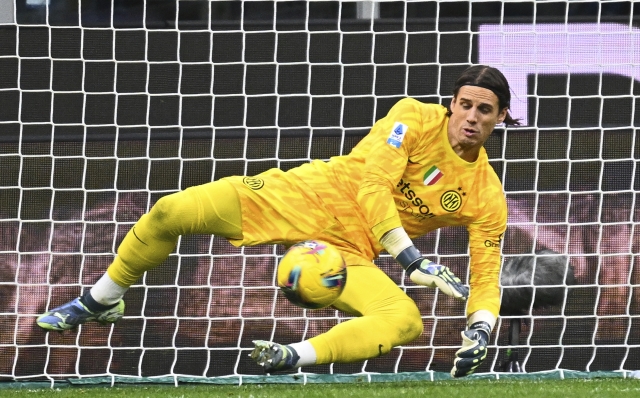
451	201
253	182
493	243
421	210
397	134
432	175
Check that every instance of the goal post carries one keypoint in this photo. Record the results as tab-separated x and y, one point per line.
106	107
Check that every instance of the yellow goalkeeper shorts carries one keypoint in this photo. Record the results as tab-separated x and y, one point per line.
279	207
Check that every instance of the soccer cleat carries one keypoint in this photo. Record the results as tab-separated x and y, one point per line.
274	356
70	315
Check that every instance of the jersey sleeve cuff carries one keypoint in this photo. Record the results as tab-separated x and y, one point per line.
395	241
380	229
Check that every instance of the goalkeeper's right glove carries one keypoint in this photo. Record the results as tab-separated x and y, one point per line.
427	273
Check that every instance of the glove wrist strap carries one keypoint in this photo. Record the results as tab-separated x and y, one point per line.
484	316
409	258
482	326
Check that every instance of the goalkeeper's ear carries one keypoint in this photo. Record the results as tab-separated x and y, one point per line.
482	316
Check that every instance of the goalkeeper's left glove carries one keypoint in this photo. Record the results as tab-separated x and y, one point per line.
473	351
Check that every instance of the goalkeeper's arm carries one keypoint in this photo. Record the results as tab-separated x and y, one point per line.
474	343
424	272
421	270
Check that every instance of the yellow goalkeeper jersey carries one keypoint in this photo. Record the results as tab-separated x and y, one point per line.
403	173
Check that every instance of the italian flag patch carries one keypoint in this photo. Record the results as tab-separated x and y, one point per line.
432	176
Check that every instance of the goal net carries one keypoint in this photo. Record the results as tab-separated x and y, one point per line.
106	107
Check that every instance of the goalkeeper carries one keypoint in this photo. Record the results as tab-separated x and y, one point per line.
422	167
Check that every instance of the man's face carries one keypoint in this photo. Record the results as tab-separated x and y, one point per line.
475	113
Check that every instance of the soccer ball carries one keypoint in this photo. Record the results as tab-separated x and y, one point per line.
312	274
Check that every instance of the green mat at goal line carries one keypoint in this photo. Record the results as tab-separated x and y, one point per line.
309	378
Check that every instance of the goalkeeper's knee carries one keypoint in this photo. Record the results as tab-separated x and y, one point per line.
173	215
407	321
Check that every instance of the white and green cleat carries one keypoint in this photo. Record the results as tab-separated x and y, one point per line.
273	356
70	315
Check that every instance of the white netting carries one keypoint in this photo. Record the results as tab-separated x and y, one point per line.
104	108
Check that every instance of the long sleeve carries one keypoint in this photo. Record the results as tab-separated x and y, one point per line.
391	140
485	236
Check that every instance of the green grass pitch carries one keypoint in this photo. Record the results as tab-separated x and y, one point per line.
578	388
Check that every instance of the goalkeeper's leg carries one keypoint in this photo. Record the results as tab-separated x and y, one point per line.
212	208
387	318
